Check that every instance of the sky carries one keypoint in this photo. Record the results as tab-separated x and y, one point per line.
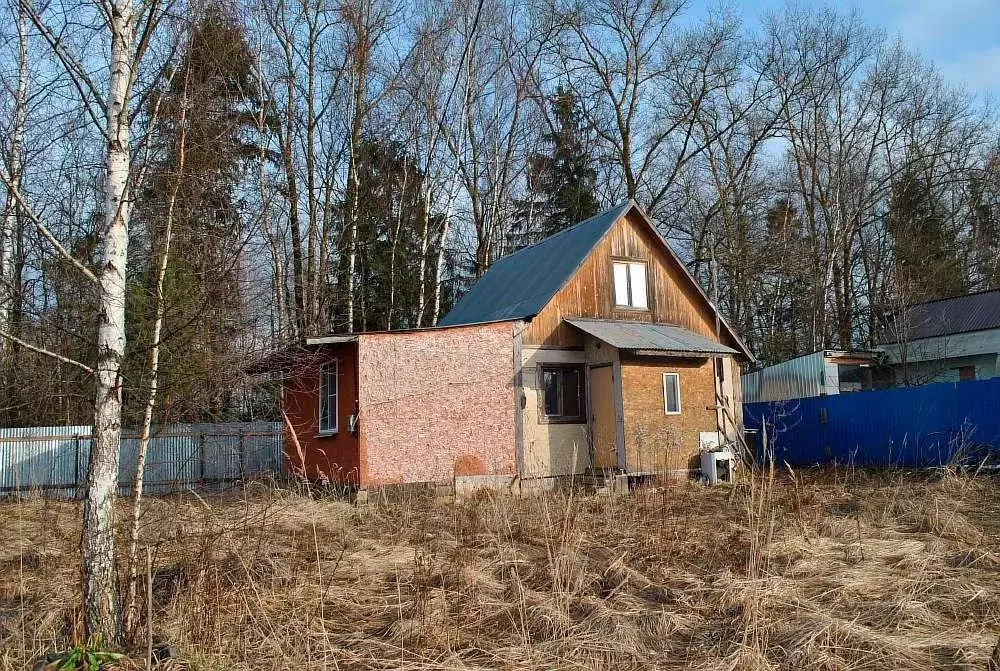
962	37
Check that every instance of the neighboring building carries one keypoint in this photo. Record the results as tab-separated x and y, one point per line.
945	340
822	373
593	349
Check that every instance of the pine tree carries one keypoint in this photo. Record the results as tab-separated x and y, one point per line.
562	181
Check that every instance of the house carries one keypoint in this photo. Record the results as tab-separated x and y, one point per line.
593	349
621	360
945	340
822	373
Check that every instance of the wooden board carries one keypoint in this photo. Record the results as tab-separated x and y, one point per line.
590	292
602	417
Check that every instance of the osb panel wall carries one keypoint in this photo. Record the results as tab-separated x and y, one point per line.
437	403
654	440
327	458
550	449
590	292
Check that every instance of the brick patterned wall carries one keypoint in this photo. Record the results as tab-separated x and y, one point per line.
436	403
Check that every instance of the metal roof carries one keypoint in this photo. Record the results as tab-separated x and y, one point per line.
948	316
520	284
645	337
331	339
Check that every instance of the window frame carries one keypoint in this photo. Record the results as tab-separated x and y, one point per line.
543	416
677	389
629	263
329	370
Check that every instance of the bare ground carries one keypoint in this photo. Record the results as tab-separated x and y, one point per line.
827	571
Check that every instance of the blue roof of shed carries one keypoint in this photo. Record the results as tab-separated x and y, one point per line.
519	285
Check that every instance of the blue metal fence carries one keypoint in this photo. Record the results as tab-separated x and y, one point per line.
909	427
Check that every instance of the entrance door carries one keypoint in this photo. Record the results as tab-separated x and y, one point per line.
602	417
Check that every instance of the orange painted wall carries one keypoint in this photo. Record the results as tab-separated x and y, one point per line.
333	458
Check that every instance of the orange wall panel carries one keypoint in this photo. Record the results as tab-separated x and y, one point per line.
654	440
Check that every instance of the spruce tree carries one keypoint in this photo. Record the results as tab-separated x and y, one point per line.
562	180
214	80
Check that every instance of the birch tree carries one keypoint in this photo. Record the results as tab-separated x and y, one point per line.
14	158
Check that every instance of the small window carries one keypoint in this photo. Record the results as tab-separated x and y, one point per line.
966	373
563	393
671	393
630	284
328	387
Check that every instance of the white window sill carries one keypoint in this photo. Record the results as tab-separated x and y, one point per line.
327	434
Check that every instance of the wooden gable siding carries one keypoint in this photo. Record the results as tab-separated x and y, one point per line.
590	292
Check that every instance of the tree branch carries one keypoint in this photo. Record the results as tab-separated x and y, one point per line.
40	225
48	353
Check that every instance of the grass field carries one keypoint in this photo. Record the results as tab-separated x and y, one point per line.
844	570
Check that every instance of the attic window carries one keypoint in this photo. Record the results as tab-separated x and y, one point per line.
630	285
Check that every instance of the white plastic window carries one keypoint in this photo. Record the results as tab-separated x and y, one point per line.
630	284
671	393
328	388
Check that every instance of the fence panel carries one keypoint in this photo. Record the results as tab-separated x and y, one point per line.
909	427
54	460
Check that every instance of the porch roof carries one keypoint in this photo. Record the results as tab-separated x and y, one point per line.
646	338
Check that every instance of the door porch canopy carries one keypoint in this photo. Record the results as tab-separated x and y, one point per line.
645	339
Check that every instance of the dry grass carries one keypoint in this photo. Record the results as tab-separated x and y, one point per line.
824	572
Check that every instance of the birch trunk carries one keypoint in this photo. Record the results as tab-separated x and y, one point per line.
8	228
353	188
131	607
100	593
439	271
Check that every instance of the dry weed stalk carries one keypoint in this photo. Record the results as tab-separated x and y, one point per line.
678	577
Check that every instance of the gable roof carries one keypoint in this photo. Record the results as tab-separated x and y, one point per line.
948	316
520	285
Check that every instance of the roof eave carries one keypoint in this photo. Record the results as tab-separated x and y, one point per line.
680	353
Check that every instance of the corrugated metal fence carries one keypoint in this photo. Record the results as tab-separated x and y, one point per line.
911	427
53	459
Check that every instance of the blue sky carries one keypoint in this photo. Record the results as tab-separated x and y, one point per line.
962	37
